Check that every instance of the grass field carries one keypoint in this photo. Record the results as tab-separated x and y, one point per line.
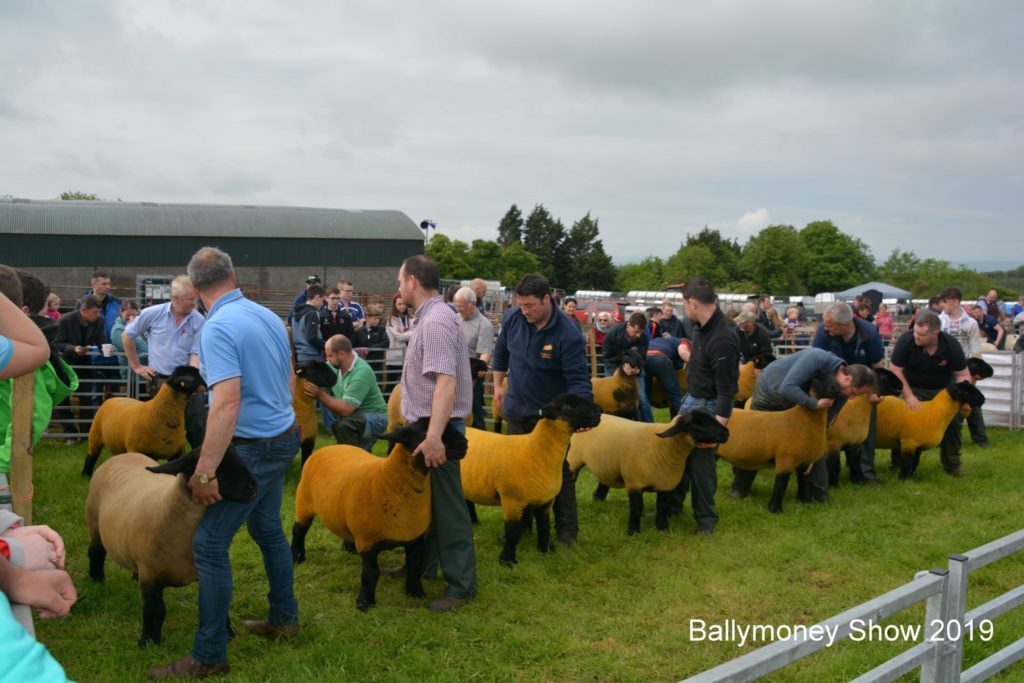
611	608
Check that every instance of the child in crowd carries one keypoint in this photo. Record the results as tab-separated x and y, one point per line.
883	321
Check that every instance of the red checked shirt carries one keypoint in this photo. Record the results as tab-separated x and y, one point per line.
437	347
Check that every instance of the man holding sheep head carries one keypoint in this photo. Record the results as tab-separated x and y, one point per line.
251	409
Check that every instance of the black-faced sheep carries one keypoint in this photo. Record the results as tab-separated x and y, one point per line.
319	373
376	503
146	521
915	431
640	457
155	427
619	394
524	472
395	418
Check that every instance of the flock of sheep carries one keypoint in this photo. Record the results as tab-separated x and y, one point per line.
145	520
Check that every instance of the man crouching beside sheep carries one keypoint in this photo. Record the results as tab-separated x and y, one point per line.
256	417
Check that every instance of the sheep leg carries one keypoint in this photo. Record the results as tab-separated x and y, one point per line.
513	532
662	510
543	517
636	511
835	469
909	460
307	449
415	563
473	517
97	556
779	492
153	611
299	541
90	463
600	493
367	597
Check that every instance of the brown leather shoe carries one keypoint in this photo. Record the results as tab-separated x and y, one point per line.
262	627
447	603
187	667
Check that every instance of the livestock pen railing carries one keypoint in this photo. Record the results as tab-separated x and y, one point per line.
939	655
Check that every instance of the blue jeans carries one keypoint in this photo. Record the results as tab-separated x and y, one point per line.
700	477
268	462
662	369
643	412
376	424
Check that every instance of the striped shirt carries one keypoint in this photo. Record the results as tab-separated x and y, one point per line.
437	347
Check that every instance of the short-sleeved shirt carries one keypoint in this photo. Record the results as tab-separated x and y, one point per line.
6	351
437	347
928	372
359	387
354	310
479	333
864	347
169	344
243	339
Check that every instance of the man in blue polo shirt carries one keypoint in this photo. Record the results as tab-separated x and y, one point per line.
856	341
246	361
543	355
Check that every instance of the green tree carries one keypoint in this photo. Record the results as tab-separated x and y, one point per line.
649	274
543	236
900	269
726	252
774	259
927	277
452	256
695	260
589	266
515	263
510	229
484	259
66	196
834	260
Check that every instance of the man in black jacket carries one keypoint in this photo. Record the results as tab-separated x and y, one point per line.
627	335
79	334
711	384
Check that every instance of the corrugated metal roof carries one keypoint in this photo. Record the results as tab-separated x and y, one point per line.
54	217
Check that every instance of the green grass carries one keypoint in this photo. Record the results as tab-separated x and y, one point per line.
611	608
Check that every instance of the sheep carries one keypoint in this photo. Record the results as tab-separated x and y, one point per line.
915	431
851	426
146	521
979	369
321	374
524	472
619	394
748	377
155	427
784	440
375	503
658	398
395	418
625	454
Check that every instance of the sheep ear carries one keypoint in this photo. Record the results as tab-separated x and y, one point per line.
455	444
682	424
185	464
979	368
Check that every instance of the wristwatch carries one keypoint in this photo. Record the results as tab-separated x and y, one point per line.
206	478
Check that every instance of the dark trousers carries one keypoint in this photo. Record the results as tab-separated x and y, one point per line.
479	421
952	440
700	476
860	459
661	368
567	524
976	426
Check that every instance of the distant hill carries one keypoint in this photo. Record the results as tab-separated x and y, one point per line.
991	266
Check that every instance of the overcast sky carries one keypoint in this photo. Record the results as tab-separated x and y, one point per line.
899	121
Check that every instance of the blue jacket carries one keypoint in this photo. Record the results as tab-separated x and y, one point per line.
864	347
540	363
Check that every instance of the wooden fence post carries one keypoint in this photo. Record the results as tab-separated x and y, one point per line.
22	403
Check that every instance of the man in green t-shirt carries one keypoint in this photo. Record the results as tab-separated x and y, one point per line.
356	398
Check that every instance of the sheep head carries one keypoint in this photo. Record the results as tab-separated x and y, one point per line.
318	372
233	477
966	393
410	436
578	412
632	357
763	360
979	369
702	426
888	383
186	379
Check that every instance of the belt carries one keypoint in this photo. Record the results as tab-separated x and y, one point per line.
246	441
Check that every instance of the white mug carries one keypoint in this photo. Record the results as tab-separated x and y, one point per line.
108	350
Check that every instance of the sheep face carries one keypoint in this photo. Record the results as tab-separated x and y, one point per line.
979	369
410	436
632	357
186	380
826	388
233	477
318	372
888	383
965	392
701	425
578	412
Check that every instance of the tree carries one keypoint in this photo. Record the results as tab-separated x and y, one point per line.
510	229
67	196
589	266
834	260
726	253
695	260
515	263
774	259
452	257
928	277
649	274
900	269
484	259
543	236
